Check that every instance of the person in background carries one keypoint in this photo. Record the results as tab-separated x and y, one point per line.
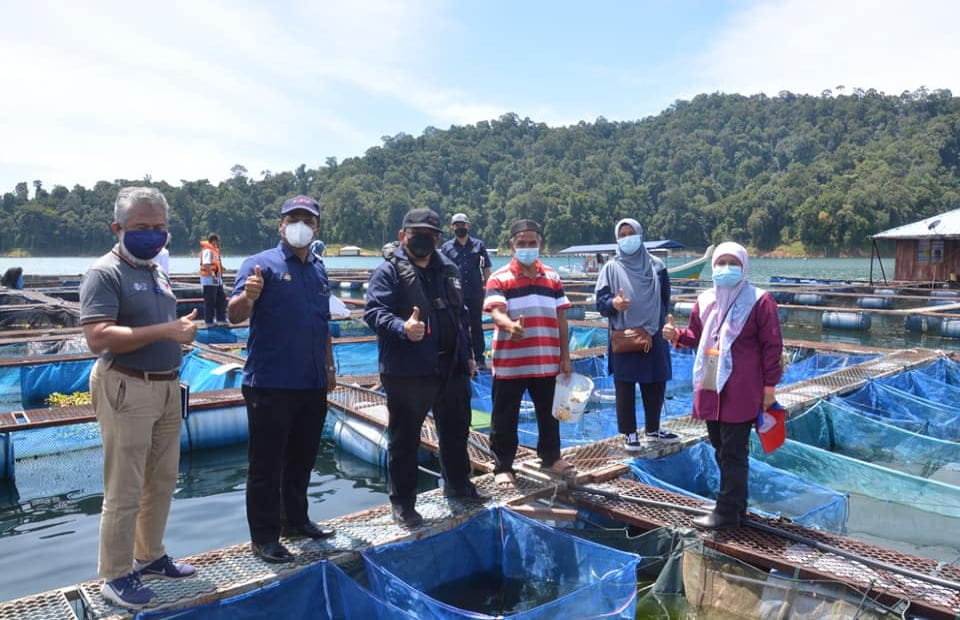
633	291
163	258
736	330
414	305
285	293
530	348
470	255
12	278
211	279
317	248
129	318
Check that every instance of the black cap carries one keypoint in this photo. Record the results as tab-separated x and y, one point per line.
524	226
422	218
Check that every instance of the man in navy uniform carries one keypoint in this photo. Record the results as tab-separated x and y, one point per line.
470	255
285	293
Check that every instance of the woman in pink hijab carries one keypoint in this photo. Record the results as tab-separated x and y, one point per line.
736	331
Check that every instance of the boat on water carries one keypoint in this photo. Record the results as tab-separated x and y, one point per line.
593	257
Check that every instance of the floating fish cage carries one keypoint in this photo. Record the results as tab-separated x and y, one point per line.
855	321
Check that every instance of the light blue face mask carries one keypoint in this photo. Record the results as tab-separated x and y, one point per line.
630	244
726	276
527	256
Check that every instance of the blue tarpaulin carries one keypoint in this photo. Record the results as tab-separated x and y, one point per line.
586	580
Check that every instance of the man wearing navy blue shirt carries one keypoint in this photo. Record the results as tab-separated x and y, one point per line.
470	255
414	305
285	293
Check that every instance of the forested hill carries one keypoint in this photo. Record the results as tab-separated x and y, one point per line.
822	171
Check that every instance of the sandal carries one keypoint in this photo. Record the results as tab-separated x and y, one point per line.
561	467
505	480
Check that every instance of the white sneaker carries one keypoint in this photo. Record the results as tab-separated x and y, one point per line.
631	443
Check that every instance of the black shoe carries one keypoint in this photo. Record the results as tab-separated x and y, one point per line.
308	529
406	516
272	552
468	493
714	521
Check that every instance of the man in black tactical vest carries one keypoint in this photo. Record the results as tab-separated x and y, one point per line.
415	306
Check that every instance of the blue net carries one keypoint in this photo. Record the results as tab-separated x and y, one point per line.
318	592
222	335
548	573
204	375
854	476
818	364
39	381
694	472
837	428
356	358
901	408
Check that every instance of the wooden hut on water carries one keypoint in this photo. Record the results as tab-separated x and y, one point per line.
926	251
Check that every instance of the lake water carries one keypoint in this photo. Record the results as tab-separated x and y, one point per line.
760	269
49	518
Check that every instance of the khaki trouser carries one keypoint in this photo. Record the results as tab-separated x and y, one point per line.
140	425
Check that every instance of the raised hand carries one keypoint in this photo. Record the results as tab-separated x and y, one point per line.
184	330
620	303
670	332
254	285
414	327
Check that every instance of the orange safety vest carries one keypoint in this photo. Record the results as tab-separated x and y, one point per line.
215	268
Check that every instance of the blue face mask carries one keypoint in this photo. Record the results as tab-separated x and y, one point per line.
144	244
630	244
726	276
527	256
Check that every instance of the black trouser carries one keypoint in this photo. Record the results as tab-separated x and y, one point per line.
214	302
408	401
731	441
505	418
652	395
285	428
478	344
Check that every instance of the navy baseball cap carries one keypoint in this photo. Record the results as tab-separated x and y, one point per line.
422	218
300	202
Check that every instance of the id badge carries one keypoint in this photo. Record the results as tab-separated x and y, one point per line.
711	362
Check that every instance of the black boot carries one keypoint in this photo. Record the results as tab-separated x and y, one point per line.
716	521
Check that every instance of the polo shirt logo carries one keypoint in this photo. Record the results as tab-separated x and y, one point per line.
286	277
139	286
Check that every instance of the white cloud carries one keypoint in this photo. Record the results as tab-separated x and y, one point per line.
120	89
807	46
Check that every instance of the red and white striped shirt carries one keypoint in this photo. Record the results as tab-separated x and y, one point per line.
539	300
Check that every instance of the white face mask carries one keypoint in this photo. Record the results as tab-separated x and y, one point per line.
298	234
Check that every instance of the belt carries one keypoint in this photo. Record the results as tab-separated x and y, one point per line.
146	375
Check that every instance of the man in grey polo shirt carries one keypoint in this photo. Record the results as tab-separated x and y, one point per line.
129	319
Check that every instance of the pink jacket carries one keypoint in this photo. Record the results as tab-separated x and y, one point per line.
756	363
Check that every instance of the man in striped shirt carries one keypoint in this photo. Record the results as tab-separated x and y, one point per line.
530	348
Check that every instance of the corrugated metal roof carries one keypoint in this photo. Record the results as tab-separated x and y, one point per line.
934	227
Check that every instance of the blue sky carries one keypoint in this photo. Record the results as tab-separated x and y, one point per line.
186	89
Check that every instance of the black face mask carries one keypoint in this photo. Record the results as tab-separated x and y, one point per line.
461	232
421	246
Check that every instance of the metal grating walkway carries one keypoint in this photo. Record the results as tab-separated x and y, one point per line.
233	570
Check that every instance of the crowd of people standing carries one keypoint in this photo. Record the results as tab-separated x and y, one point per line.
425	302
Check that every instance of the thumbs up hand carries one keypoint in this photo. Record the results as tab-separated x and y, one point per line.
184	330
414	327
620	303
516	329
254	285
670	332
